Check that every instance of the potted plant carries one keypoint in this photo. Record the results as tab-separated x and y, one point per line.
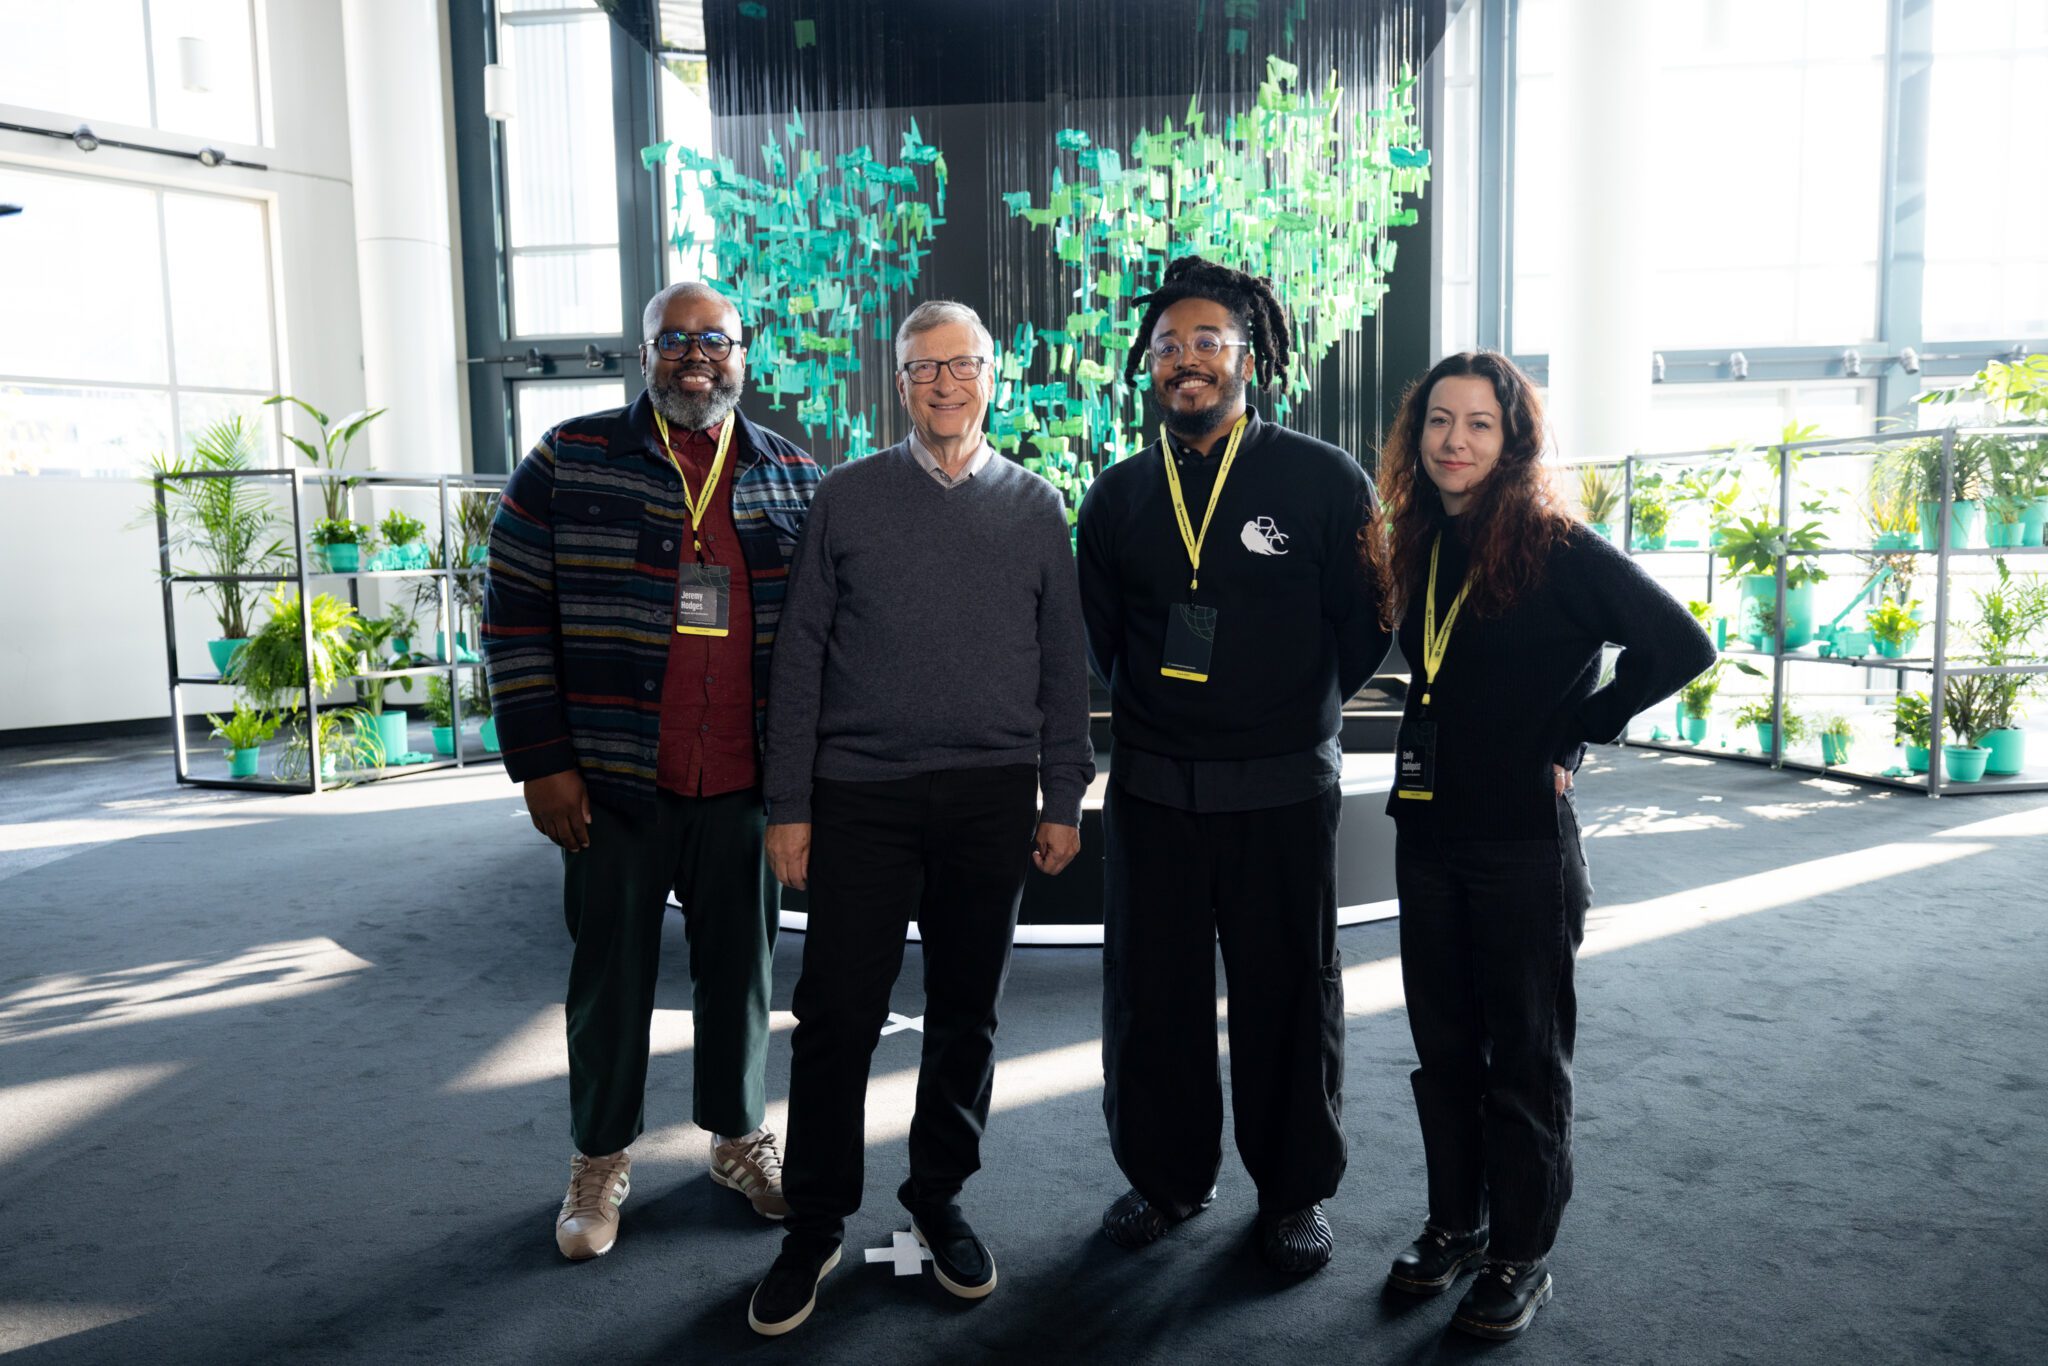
1695	701
372	636
1913	728
440	710
1713	488
1835	734
1918	463
1758	714
332	453
479	704
341	543
348	745
2033	472
1651	514
1890	509
1966	709
406	535
228	526
1752	550
245	731
1893	626
1599	498
2008	615
271	670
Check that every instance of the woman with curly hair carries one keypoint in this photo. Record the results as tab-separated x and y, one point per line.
1503	603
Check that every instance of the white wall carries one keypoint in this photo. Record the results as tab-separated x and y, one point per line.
81	618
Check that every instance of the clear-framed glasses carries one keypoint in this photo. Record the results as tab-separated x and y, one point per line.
676	345
959	367
1204	347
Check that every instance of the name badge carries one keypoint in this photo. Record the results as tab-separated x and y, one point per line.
1415	761
1190	639
703	599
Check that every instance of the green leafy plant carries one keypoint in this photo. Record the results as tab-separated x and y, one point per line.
1755	547
1837	728
2008	481
1714	487
271	668
2013	391
2008	615
1913	719
1702	612
440	703
399	528
371	635
1599	493
247	728
349	742
1697	697
1917	465
1893	623
333	451
219	525
1758	713
1652	514
1966	708
341	531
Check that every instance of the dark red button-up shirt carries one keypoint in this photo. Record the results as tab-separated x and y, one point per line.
707	691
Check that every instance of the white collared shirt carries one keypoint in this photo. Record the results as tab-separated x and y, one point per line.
930	462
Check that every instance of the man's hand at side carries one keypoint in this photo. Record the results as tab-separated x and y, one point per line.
1056	847
789	854
560	808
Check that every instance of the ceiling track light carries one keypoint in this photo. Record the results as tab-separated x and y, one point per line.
86	139
1656	367
1852	363
1738	365
1909	360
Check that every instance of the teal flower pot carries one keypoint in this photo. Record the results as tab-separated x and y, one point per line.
1603	530
1962	524
1964	763
2008	751
1833	750
1896	540
1694	728
479	554
444	739
1720	633
344	559
1916	758
1765	733
2033	522
243	763
1999	533
391	728
1894	649
1647	542
223	652
489	735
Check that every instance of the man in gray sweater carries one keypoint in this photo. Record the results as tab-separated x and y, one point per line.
930	682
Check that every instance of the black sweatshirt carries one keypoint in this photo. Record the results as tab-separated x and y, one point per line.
1297	627
1518	692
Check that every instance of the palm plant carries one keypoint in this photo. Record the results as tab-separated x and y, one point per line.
228	526
1599	494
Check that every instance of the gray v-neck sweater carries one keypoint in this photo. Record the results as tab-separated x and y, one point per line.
929	628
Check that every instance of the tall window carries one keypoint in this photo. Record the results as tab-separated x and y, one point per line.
1456	183
561	172
1764	180
135	317
685	122
1987	201
182	66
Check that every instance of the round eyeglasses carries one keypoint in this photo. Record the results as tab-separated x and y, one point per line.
959	367
676	345
1204	347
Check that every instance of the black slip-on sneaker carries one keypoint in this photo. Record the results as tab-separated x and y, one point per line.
788	1293
961	1261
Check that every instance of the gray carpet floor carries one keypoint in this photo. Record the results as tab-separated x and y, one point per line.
281	1080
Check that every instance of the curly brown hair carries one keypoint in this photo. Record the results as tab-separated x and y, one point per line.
1253	307
1512	520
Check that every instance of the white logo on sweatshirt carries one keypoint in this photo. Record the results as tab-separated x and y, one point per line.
1262	537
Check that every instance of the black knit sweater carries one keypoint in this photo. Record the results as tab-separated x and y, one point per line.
1519	692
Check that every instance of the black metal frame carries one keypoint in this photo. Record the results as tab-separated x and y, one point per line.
302	575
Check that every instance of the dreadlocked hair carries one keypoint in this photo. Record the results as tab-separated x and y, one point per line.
1511	521
1253	307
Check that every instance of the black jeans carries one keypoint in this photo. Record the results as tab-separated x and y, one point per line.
1490	930
952	850
615	894
1264	884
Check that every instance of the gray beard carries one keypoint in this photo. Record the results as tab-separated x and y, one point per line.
696	412
1201	421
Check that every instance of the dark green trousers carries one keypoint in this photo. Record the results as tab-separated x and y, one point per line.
615	893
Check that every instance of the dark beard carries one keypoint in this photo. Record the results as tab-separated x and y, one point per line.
696	412
1202	421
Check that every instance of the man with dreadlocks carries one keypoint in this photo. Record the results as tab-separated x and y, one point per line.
1227	616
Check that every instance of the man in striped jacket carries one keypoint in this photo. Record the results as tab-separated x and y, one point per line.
638	563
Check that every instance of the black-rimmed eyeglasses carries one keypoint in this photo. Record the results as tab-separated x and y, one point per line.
959	367
676	345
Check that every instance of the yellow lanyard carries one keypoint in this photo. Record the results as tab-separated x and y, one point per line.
1436	639
698	504
1188	535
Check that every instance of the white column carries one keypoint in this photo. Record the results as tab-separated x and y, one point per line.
1600	362
404	258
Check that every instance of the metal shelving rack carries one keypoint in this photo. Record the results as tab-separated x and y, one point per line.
303	576
1937	664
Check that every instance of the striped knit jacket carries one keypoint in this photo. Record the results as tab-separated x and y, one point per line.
579	604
